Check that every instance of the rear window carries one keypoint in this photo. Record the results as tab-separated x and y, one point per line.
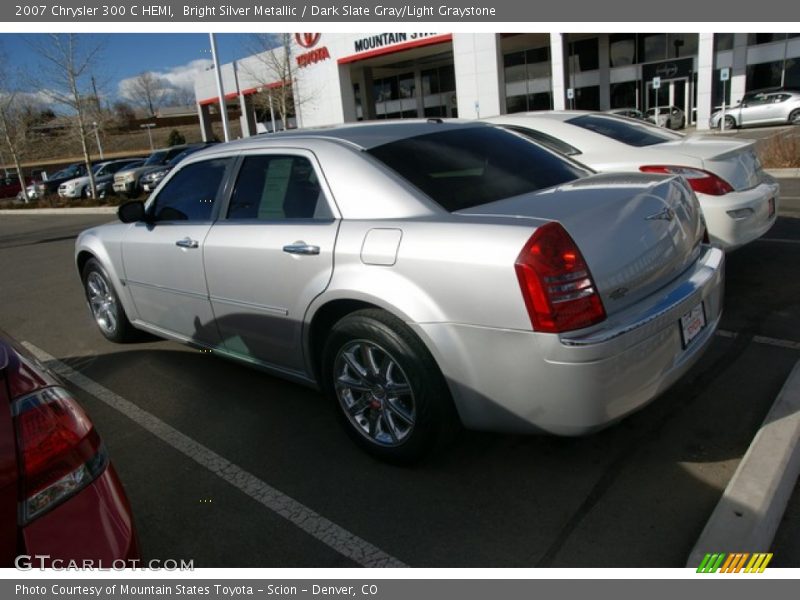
629	132
468	167
545	140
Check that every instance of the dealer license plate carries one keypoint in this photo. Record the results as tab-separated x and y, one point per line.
692	323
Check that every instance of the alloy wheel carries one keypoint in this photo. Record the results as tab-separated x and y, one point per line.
102	303
374	393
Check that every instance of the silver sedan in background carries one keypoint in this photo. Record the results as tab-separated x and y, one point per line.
421	274
761	107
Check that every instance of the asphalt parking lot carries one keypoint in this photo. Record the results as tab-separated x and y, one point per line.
231	467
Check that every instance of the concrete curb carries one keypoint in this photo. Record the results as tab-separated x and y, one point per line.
78	210
784	173
752	506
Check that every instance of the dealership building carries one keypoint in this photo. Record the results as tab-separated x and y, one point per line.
340	77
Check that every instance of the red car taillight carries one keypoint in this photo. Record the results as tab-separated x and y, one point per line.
60	451
700	181
558	288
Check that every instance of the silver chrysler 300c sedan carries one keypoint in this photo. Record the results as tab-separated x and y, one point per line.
420	273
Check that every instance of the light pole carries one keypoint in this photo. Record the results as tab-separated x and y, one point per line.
97	137
223	109
148	127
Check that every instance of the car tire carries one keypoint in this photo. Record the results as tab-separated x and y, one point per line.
794	117
730	122
86	193
390	395
107	311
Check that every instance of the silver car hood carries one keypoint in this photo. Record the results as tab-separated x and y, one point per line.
637	232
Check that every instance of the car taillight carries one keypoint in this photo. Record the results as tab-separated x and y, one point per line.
60	451
558	288
701	181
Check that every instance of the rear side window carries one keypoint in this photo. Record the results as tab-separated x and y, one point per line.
278	187
190	195
468	167
629	132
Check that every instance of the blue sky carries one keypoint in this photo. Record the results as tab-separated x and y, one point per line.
126	55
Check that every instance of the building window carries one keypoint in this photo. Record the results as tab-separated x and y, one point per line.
792	75
753	39
527	77
652	47
622	49
588	98
681	45
623	95
584	55
716	90
764	75
723	41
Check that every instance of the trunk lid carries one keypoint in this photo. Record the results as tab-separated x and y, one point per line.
637	232
735	161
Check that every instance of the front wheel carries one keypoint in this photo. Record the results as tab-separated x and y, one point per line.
391	397
730	123
108	313
794	117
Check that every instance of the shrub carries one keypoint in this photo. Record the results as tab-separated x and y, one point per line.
175	138
781	151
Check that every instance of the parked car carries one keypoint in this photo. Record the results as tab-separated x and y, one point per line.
103	179
31	191
670	117
127	181
149	181
631	113
739	199
10	186
761	107
59	494
51	184
419	273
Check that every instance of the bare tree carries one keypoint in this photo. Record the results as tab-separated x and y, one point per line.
67	65
148	91
273	54
14	127
14	121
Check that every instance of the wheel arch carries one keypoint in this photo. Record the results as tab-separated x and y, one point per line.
91	247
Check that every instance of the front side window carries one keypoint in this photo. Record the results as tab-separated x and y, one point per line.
190	195
467	167
278	187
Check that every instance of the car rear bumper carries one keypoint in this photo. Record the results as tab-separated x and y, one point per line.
94	525
738	218
523	381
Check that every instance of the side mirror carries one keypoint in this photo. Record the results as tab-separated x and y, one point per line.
131	212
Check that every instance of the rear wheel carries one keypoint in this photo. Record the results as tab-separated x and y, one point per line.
391	397
794	117
108	313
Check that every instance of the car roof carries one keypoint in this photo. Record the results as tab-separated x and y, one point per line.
362	135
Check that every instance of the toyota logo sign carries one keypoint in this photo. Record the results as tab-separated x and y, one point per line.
307	40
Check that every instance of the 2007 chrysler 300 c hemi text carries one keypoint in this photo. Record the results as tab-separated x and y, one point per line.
420	273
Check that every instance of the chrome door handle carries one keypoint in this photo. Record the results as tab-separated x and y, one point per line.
301	248
187	243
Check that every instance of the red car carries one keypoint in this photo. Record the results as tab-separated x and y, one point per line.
9	185
59	495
